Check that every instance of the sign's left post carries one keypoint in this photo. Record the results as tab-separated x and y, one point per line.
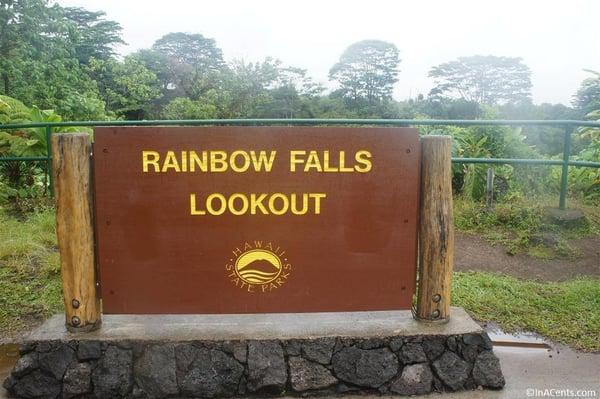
71	166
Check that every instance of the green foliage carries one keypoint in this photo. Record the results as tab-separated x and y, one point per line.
469	179
471	146
585	181
12	110
125	86
519	216
367	72
184	108
553	310
39	50
22	184
546	140
191	64
587	97
92	35
84	107
249	85
30	287
439	108
487	80
516	221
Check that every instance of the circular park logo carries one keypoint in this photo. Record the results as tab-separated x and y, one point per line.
258	266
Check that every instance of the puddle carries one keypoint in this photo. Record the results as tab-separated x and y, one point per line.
8	357
518	339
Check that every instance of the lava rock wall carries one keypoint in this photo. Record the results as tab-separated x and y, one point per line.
407	365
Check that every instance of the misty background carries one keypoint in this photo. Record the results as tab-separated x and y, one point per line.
556	39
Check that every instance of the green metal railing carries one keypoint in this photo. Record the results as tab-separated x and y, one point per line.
568	125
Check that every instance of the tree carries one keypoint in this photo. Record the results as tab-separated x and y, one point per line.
38	63
587	98
22	25
487	80
191	49
157	63
92	35
367	70
194	64
249	84
126	86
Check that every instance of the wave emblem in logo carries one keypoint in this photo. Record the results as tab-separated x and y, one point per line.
258	266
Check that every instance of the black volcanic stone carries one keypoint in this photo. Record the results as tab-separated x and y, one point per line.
26	364
154	371
371	343
412	352
452	370
318	350
292	347
478	339
36	384
306	375
77	380
416	379
452	344
469	352
487	372
57	360
113	375
207	373
396	343
239	350
267	371
87	350
434	347
368	368
415	365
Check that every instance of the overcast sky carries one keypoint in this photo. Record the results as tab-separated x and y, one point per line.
556	39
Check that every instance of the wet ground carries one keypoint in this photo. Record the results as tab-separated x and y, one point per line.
472	252
8	357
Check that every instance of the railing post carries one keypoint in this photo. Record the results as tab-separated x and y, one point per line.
49	160
75	231
436	232
564	177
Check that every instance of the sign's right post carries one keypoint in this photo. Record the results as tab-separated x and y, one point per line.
436	231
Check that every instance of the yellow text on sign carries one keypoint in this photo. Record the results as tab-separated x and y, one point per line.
258	204
241	161
208	161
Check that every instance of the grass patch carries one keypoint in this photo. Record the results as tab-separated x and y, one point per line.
520	225
30	286
566	312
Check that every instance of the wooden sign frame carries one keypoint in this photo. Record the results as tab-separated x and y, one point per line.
71	164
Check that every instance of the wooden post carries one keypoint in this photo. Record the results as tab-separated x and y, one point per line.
489	189
436	233
75	230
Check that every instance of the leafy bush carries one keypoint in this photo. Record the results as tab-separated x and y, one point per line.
184	108
23	183
469	179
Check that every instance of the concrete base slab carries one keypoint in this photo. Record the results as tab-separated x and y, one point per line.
162	356
257	326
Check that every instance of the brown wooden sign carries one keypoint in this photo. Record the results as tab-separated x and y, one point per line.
256	219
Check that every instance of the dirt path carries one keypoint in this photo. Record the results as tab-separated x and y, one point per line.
474	253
